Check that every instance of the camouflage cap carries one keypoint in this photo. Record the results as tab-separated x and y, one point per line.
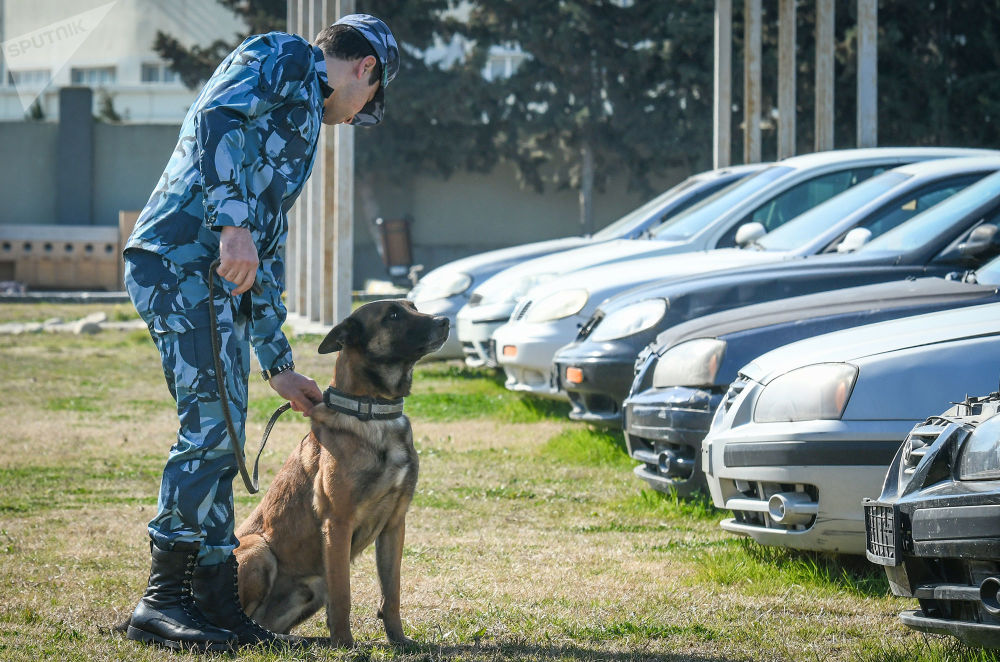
384	44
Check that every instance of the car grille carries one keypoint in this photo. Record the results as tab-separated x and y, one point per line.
880	534
734	391
919	441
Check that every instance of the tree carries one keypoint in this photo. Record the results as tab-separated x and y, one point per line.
435	119
609	87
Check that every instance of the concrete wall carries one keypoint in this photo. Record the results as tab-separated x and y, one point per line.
453	218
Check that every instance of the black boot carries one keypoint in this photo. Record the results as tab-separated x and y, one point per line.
216	592
167	614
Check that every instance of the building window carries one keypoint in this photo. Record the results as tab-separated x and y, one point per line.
29	78
158	72
93	75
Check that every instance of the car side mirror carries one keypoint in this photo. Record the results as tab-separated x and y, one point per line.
749	233
980	239
854	240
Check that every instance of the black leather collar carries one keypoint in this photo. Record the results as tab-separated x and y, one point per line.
362	408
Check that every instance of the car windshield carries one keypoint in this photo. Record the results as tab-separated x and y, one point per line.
989	273
809	225
695	219
639	216
925	226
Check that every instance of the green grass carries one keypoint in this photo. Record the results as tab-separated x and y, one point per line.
760	569
592	447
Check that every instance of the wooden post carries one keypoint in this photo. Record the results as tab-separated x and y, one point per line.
722	109
751	81
867	73
786	78
824	74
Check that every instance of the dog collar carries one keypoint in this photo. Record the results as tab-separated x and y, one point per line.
362	408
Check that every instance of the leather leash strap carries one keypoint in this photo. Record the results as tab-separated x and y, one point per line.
252	484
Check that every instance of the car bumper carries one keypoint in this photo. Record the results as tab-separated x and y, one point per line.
525	352
801	485
597	397
475	333
664	429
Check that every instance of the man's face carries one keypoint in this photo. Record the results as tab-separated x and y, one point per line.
351	94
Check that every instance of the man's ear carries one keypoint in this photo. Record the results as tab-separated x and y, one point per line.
366	66
345	333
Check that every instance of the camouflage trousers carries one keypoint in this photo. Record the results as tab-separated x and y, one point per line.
196	491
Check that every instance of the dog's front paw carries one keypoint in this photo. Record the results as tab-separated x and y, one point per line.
342	640
399	639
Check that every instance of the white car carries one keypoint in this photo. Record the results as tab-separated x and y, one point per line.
444	290
551	315
809	429
751	207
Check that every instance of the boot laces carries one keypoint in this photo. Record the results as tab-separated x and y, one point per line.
257	629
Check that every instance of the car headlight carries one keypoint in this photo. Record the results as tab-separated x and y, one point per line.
557	306
811	393
691	363
441	285
630	319
979	459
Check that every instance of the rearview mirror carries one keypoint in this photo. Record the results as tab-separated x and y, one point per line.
749	233
981	238
854	240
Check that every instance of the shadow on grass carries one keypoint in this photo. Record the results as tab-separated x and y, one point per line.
522	651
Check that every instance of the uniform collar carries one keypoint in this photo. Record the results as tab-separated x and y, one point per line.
321	73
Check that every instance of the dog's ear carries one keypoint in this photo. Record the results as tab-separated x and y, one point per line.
343	334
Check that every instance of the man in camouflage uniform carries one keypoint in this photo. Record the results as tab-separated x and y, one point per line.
245	150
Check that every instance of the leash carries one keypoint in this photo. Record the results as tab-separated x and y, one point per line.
252	484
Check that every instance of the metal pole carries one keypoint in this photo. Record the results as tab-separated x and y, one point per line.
291	261
751	81
342	267
824	75
786	78
867	73
722	109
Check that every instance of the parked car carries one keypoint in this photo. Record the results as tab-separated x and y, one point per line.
809	429
682	376
443	291
596	369
936	526
934	242
757	204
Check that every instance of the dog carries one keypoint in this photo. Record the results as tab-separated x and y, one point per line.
347	484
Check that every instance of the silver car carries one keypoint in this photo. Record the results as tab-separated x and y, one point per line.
809	429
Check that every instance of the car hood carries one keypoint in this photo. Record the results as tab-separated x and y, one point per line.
543	269
860	342
612	279
896	294
503	258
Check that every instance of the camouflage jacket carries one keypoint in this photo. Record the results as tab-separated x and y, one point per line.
244	152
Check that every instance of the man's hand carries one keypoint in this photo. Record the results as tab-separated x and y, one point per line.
238	258
299	390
